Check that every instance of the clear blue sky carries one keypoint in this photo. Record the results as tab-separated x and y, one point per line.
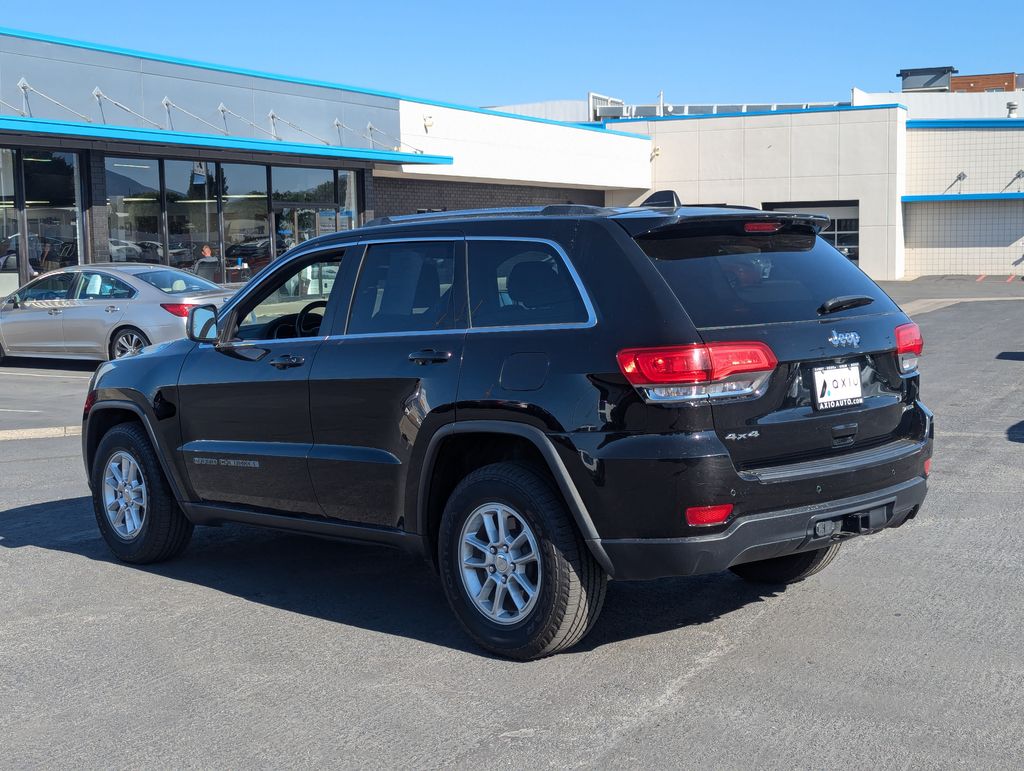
486	53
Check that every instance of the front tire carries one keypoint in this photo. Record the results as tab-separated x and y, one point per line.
515	569
127	342
788	569
135	509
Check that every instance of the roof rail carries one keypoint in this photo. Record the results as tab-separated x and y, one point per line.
551	210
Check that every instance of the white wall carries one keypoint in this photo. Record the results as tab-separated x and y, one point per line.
494	148
965	237
922	105
990	158
857	155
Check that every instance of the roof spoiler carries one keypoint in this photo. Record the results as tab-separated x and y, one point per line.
649	227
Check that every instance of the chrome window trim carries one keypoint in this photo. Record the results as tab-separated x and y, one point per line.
590	322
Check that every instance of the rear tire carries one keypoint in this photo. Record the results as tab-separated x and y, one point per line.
568	584
126	342
789	569
145	523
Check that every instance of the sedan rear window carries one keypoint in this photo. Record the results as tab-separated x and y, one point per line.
736	279
176	281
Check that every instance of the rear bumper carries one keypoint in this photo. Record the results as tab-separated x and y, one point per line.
765	535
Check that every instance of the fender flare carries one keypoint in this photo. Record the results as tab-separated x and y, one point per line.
130	406
556	467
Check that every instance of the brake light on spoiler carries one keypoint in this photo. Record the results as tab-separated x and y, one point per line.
696	372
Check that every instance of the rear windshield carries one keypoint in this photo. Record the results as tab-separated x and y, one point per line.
176	281
738	279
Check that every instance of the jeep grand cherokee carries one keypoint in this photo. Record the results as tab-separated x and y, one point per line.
535	400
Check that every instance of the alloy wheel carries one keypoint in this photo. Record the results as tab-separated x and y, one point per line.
127	344
501	567
125	497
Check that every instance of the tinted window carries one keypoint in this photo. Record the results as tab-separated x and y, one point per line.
49	288
516	283
405	287
176	281
734	280
100	286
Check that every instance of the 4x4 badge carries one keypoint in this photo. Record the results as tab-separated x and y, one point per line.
843	339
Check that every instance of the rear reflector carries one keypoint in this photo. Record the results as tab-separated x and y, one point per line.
762	227
909	346
698	371
705	516
178	309
928	467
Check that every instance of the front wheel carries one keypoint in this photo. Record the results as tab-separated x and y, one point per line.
515	569
788	569
135	509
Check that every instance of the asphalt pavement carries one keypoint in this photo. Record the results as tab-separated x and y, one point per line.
259	649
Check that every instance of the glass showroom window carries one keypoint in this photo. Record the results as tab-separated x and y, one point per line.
193	234
52	209
305	203
247	246
133	210
8	225
347	196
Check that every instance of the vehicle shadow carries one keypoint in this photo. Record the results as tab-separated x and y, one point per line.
359	585
55	365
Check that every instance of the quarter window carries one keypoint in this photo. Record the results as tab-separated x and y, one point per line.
405	287
521	283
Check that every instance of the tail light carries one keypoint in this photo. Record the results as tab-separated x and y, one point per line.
178	309
909	346
706	516
692	372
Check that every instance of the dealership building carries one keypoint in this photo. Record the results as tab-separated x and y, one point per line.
108	154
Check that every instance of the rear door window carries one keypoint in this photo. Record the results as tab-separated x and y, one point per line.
734	279
521	283
100	286
405	287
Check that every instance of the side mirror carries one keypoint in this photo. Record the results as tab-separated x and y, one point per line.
201	326
14	301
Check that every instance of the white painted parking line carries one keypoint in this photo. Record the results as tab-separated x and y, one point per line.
39	374
34	412
52	432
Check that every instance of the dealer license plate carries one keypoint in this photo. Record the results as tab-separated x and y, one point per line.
837	386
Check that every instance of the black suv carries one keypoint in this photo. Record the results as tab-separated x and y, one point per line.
535	400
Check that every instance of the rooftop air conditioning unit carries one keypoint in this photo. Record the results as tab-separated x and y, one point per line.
611	111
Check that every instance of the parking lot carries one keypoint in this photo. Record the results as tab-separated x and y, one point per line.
262	649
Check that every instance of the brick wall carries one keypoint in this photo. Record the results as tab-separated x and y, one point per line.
407	196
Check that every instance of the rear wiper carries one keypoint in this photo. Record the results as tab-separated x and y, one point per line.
844	302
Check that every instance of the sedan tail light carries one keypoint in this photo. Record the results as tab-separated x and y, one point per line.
178	309
909	346
702	371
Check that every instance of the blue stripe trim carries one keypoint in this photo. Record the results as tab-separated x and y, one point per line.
155	136
841	108
298	81
968	123
965	197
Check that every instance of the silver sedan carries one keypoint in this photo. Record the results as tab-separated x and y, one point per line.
101	311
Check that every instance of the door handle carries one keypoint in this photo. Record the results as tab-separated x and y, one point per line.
287	360
430	356
55	311
111	309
